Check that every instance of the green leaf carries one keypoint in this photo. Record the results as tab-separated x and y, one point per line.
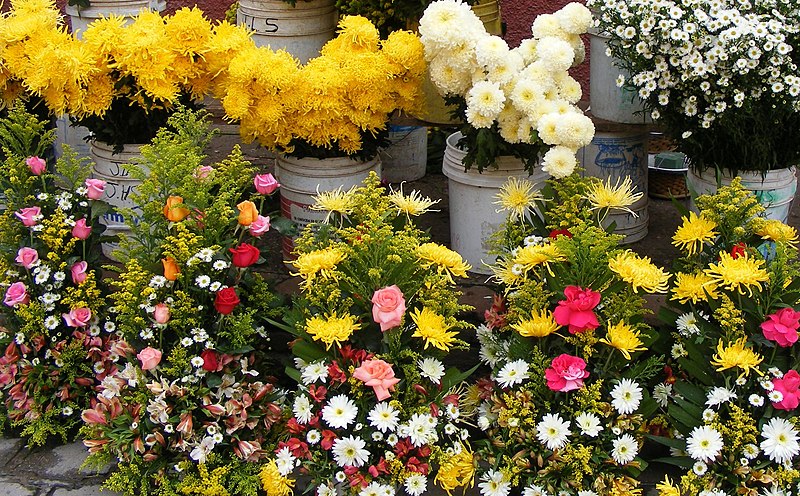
213	380
453	376
668	441
691	392
284	226
294	374
682	461
308	351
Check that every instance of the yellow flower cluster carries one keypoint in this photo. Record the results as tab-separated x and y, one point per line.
639	272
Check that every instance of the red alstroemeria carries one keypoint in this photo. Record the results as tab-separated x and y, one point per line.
738	250
414	464
297	447
328	437
295	427
402	448
356	478
335	373
319	393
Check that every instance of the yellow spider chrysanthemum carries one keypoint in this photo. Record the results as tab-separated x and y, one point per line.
623	338
413	204
540	324
518	197
693	233
507	273
736	355
776	230
447	261
620	196
639	272
331	329
666	488
273	482
318	263
531	256
457	470
737	274
336	201
433	328
693	287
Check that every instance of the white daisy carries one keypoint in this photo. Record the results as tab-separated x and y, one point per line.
494	483
197	362
431	369
678	351
313	436
756	400
626	396
326	490
699	468
552	431
384	417
625	449
315	371
339	412
416	484
202	281
158	281
719	395
422	429
349	451
51	322
589	423
687	324
302	409
220	265
513	373
704	443
775	396
534	490
750	451
780	440
587	492
215	286
285	461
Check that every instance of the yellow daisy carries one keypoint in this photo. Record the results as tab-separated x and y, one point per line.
531	256
540	324
519	197
623	338
736	355
620	196
737	274
331	329
447	261
639	272
433	328
776	230
693	233
693	287
413	204
318	263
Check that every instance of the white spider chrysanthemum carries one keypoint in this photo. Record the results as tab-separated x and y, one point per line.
625	449
553	431
315	371
302	409
350	451
589	424
719	395
559	162
431	369
704	443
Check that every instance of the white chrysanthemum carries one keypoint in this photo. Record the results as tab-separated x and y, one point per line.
285	461
559	161
719	395
780	440
416	484
547	25
315	371
508	123
302	409
573	130
490	51
431	369
384	417
505	70
527	49
513	373
555	53
625	449
447	77
534	490
494	483
687	324
574	18
339	412
569	89
326	490
589	424
704	443
486	98
626	396
526	95
553	431
662	392
422	429
478	120
350	451
446	23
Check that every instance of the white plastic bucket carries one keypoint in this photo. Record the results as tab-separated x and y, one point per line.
472	196
775	191
406	158
609	101
617	152
82	17
302	178
301	30
120	185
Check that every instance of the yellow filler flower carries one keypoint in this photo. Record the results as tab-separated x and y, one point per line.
433	328
693	233
540	324
623	338
693	287
736	355
639	272
519	197
738	274
331	329
620	196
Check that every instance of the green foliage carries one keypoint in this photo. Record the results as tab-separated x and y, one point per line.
23	134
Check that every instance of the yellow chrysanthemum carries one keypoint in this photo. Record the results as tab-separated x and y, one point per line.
433	328
331	329
456	470
620	196
693	287
518	197
337	201
776	230
447	261
273	482
413	204
506	273
540	324
318	263
666	488
693	233
736	355
531	256
737	274
623	338
639	272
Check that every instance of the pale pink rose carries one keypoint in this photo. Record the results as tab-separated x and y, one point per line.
388	307
95	188
81	230
36	164
29	216
203	172
78	271
378	375
782	326
149	358
566	373
27	257
265	184
161	313
789	387
259	226
16	294
78	317
577	311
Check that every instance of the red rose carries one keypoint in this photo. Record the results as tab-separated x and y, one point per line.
210	362
245	255
226	301
555	233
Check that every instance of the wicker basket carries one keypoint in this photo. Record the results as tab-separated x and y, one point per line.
664	183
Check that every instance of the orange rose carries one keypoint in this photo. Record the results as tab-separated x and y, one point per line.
247	212
172	212
171	269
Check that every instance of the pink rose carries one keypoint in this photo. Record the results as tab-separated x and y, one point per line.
259	226
149	358
78	317
36	164
566	373
379	375
29	216
27	257
788	386
95	188
16	294
388	307
203	172
161	313
265	184
576	311
81	230
781	327
78	271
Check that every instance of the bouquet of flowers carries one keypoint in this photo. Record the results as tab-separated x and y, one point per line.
566	405
520	101
721	76
335	105
191	403
733	311
376	408
56	342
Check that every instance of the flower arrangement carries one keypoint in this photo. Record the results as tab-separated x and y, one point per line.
191	405
734	395
566	406
520	101
721	76
376	408
55	341
337	104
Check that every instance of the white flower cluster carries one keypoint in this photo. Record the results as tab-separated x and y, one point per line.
526	90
